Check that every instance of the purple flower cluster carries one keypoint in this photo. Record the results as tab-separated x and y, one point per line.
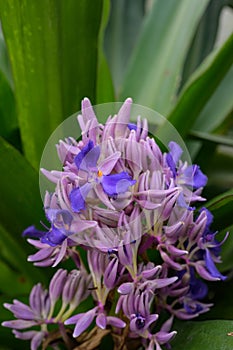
121	199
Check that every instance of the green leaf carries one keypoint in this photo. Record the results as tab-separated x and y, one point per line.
218	107
104	86
221	207
155	68
126	17
52	46
201	87
208	335
204	39
4	60
8	118
211	138
20	206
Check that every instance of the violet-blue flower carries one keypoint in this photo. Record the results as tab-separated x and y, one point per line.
113	184
60	224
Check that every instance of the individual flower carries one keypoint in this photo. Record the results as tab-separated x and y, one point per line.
188	176
136	306
112	184
29	316
71	288
60	228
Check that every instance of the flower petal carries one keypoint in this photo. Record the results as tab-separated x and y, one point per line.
126	288
78	196
19	324
211	266
194	177
37	340
101	321
87	157
108	164
31	231
175	151
115	322
117	183
84	322
54	237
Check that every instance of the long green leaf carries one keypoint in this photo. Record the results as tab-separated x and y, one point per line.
4	60
155	69
126	17
208	335
52	46
8	117
20	206
212	138
201	87
104	86
204	39
218	107
221	207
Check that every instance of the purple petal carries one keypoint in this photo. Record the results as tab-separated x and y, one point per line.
117	183
37	340
198	289
78	196
61	254
151	319
54	237
84	322
31	231
123	118
20	310
87	157
195	177
56	284
132	126
181	202
171	164
211	266
59	217
74	319
151	272
110	274
35	299
164	282
175	151
164	337
126	288
101	321
209	217
19	324
24	335
125	254
42	254
202	271
115	322
167	325
108	164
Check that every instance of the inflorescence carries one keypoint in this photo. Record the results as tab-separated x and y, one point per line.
129	208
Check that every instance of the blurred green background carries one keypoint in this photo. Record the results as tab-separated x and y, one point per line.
174	56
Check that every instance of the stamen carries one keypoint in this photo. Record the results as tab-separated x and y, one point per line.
100	173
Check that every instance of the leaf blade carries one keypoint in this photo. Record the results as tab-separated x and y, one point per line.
153	73
200	88
53	55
